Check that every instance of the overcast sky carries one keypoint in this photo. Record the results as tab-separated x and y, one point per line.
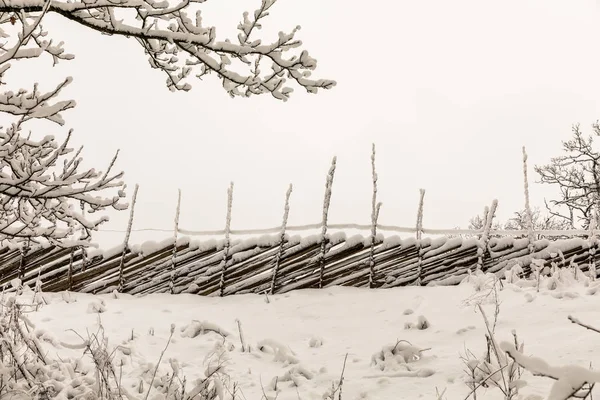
448	90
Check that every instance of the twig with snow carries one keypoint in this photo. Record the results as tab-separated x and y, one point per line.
159	360
578	322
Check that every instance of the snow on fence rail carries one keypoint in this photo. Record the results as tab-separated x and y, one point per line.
198	265
366	227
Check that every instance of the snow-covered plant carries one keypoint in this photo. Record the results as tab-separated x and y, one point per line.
216	380
514	273
176	40
537	266
481	281
494	368
335	391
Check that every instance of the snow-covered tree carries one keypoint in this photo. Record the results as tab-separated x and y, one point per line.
176	40
540	221
478	222
44	193
577	175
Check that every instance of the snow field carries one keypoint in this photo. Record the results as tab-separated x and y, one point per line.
400	343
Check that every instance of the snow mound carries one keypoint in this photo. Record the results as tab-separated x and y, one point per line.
196	328
280	352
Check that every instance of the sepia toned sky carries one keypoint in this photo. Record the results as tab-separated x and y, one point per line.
448	91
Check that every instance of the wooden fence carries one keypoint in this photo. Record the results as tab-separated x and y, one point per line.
267	265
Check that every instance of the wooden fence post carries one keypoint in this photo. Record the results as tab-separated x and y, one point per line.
174	254
419	236
286	212
593	245
70	272
227	240
22	265
485	236
326	203
83	233
375	207
528	215
126	241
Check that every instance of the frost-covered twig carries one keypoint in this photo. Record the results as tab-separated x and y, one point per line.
578	322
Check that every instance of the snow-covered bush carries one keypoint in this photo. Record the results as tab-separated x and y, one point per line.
479	280
28	372
397	357
421	324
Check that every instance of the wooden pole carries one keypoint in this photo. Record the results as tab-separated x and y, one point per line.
485	236
83	234
528	214
22	265
227	243
375	207
419	236
70	273
126	240
593	245
326	203
174	254
286	213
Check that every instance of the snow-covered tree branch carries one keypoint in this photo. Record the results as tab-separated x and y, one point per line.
176	41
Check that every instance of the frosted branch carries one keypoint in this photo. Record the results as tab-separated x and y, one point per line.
181	46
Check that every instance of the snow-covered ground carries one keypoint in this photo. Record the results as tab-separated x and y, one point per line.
298	341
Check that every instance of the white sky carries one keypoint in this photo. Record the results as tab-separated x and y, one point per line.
448	90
